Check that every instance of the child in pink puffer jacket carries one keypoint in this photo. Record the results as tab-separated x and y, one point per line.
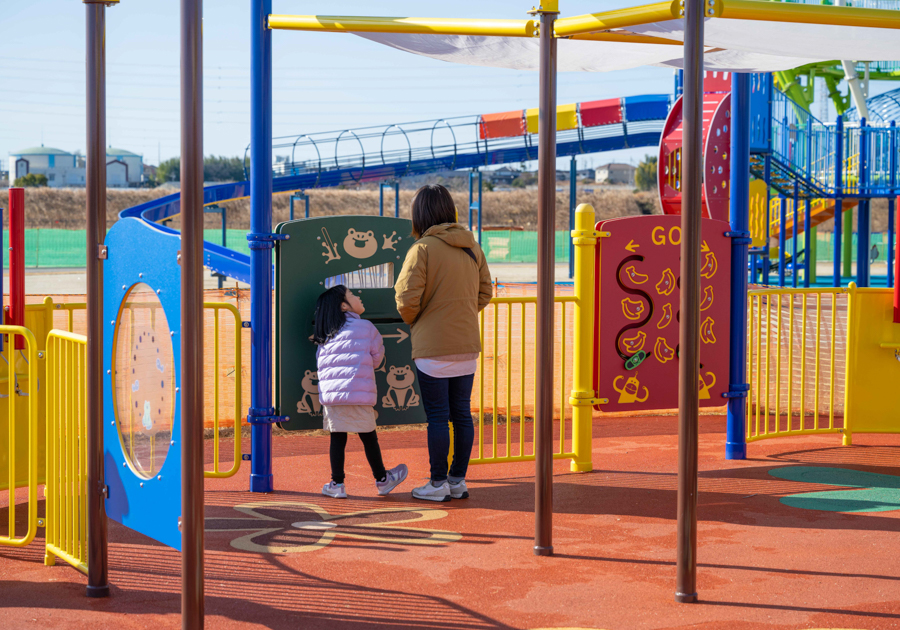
350	348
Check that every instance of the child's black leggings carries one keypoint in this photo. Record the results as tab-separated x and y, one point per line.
373	454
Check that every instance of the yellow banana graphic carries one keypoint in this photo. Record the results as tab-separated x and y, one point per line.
710	265
662	351
637	278
634	344
632	309
707	300
666	318
706	330
666	284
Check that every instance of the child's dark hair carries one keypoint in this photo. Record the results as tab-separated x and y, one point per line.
330	317
431	206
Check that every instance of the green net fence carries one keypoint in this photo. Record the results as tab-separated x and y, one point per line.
49	248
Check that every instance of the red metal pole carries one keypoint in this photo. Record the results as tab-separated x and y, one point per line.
17	261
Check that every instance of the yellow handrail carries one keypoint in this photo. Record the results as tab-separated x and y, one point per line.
215	472
66	453
13	393
406	25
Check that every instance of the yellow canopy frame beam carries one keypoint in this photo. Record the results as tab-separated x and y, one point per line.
629	16
809	14
417	26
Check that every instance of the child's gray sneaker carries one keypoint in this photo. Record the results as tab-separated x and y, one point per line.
428	492
334	490
392	479
458	490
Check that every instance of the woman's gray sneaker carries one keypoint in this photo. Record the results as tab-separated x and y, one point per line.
459	490
429	492
392	479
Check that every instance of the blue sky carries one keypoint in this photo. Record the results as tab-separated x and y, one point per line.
322	81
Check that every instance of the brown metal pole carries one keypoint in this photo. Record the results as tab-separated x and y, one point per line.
543	446
192	314
95	188
689	351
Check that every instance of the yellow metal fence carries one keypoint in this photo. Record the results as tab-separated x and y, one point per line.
66	413
506	380
796	361
223	373
18	385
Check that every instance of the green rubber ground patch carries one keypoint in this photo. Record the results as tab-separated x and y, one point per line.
872	492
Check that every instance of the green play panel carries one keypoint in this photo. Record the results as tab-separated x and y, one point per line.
872	492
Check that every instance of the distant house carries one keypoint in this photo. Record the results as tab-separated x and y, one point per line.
64	169
123	168
615	173
59	166
502	176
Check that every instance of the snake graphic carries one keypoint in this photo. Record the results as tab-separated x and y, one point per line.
644	295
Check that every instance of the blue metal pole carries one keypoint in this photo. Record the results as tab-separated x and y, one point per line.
480	207
891	203
767	176
794	237
381	199
471	191
261	403
397	200
807	240
862	216
838	201
736	441
573	190
782	239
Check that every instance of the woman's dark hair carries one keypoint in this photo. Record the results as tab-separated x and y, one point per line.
431	206
330	317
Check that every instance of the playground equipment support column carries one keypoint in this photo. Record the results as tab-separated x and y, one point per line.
809	260
192	394
736	439
476	174
543	447
782	238
862	213
261	407
689	327
794	236
584	242
95	189
838	201
767	175
573	190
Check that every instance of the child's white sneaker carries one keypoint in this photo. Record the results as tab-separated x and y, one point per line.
334	490
392	479
458	490
429	492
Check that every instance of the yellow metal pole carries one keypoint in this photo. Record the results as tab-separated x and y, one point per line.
584	239
849	361
808	14
406	25
628	16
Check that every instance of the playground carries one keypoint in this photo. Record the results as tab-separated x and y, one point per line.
376	562
694	399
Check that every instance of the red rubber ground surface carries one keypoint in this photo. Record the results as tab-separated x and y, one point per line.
761	564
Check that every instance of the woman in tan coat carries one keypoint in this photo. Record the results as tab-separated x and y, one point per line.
445	282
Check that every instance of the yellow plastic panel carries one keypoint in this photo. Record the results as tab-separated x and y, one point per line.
758	212
566	117
873	369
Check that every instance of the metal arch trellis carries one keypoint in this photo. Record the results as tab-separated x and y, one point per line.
452	133
362	153
318	156
408	145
